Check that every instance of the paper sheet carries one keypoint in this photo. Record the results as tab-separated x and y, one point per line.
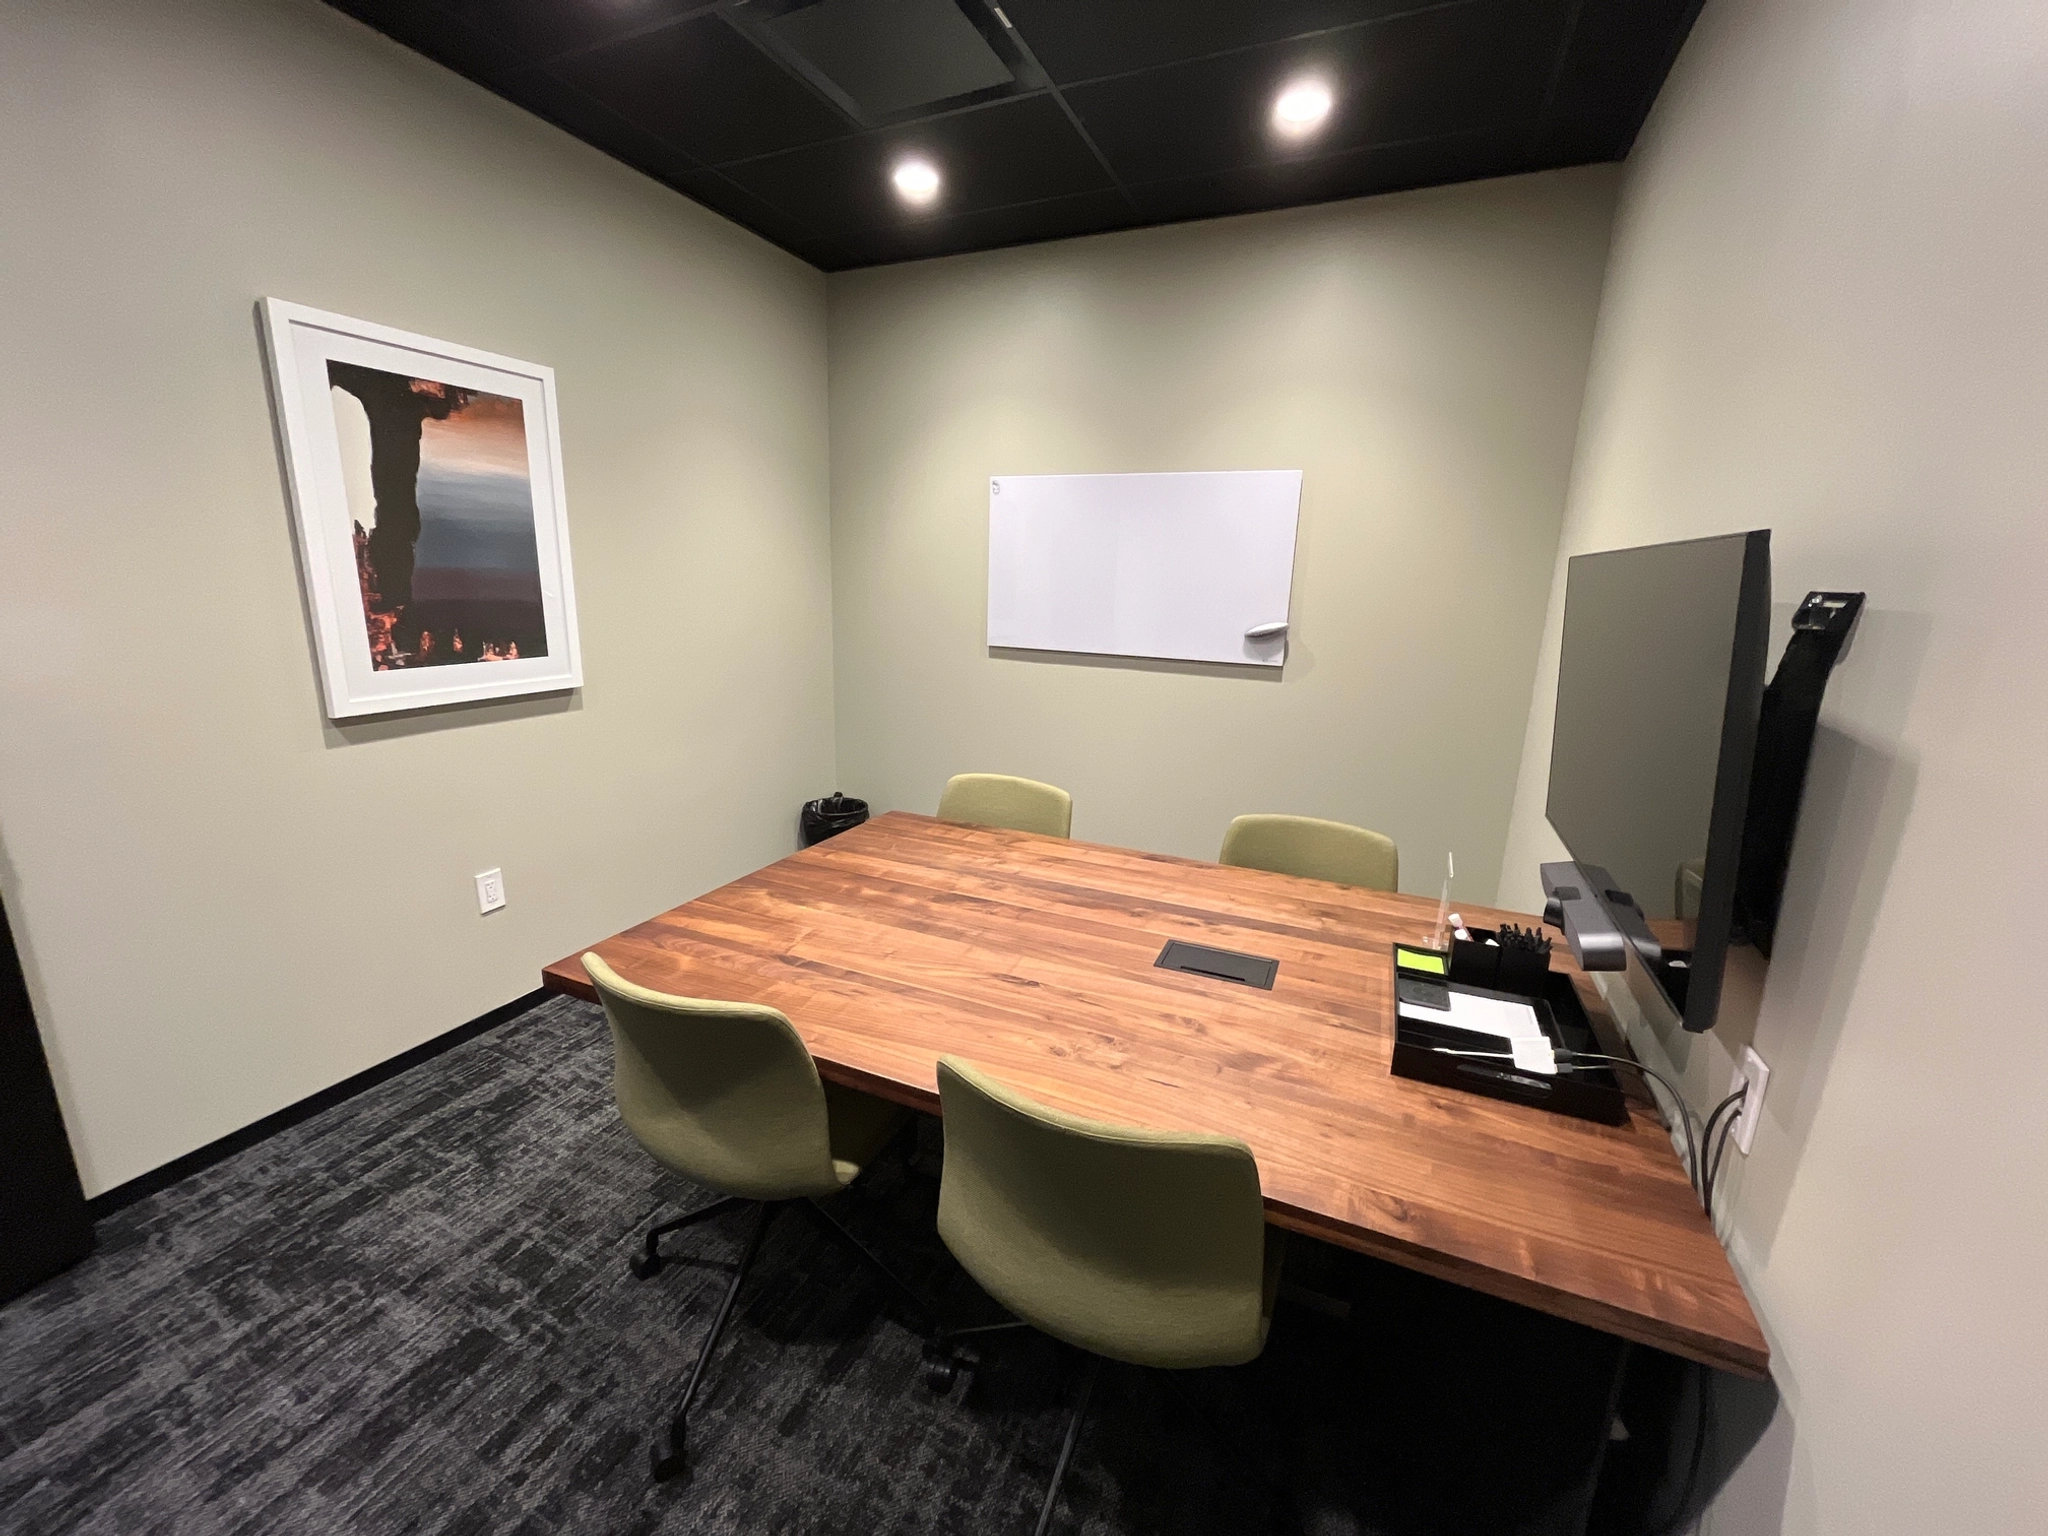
1487	1015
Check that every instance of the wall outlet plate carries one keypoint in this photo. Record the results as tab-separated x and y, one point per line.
1750	1070
490	893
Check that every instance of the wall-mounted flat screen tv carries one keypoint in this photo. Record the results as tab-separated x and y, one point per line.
1659	683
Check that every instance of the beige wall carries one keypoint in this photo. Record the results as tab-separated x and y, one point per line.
1420	357
1825	315
225	902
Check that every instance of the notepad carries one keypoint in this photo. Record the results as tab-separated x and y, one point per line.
1418	960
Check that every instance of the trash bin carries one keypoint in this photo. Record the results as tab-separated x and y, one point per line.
831	816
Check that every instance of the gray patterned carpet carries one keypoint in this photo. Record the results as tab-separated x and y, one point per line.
412	1313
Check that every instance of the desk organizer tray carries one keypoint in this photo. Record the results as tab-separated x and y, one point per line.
1586	1093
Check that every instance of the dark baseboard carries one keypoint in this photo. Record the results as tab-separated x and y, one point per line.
235	1141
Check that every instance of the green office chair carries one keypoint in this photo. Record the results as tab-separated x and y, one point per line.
1149	1247
997	800
727	1095
1314	849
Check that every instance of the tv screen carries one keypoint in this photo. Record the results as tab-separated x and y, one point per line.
1659	682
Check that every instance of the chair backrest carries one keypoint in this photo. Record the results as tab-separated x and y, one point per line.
998	800
724	1093
1314	849
1146	1246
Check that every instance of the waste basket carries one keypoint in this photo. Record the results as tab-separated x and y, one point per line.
831	816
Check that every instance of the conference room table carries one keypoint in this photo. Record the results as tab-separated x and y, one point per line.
908	938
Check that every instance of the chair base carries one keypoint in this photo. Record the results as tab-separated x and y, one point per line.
668	1458
648	1263
946	1356
1059	1471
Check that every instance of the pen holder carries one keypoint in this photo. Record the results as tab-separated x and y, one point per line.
1476	963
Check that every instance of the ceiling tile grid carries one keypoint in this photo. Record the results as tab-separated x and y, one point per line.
1044	119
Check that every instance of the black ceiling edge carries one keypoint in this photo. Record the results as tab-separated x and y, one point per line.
1564	53
810	231
693	163
1642	115
1393	190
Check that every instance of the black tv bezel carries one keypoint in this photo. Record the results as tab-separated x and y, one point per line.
1715	930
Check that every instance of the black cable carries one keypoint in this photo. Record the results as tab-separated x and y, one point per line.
1702	1437
1714	1162
1734	1101
1733	1098
1707	1141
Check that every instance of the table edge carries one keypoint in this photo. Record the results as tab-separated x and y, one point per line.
567	977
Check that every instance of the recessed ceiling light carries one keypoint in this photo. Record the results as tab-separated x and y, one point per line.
1300	108
916	182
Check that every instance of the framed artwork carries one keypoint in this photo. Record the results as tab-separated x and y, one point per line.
426	485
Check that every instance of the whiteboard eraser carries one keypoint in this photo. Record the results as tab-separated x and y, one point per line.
1266	631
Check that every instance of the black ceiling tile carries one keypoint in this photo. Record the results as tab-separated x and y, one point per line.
1350	173
719	194
596	124
825	255
1054	219
1581	140
1081	39
707	90
728	201
440	34
1421	75
1016	151
1618	56
1177	94
541	29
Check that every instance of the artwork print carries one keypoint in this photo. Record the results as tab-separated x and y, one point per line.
427	496
441	513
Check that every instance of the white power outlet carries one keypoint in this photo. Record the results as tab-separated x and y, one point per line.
490	894
1750	1070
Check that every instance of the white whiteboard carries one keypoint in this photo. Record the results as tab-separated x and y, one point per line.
1177	565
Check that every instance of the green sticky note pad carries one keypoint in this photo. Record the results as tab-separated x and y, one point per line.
1418	960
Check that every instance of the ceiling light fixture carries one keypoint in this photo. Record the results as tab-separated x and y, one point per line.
916	182
1299	109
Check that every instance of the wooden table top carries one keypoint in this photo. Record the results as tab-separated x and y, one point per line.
910	938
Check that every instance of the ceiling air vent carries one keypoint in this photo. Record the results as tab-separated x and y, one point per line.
881	59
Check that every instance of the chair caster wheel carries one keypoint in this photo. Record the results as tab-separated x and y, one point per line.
669	1458
939	1376
645	1266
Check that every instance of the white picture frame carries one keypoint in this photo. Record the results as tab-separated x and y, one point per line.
485	469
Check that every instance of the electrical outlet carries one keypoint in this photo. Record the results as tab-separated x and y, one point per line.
490	892
1750	1070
